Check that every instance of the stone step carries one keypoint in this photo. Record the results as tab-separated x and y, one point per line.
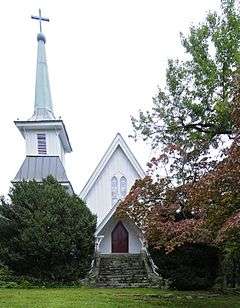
121	267
119	273
126	262
123	277
120	259
115	282
119	281
119	256
122	285
122	271
116	274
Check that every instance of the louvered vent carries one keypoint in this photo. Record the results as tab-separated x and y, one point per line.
42	146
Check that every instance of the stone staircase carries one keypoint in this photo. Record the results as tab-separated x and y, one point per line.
122	270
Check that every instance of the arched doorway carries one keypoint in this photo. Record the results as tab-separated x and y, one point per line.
119	239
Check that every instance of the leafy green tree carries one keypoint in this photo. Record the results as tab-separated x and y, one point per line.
193	114
46	233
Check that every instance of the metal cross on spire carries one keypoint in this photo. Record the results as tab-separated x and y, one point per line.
40	18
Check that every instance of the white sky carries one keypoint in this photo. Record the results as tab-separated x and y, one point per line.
105	58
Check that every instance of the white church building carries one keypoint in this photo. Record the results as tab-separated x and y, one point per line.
110	182
47	142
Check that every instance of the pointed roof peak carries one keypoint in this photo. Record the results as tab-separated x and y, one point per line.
43	109
118	141
118	135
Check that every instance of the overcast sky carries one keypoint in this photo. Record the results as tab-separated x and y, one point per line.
105	58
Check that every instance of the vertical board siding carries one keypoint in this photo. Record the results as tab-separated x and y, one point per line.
99	198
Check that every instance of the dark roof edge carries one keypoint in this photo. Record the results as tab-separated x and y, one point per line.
41	121
60	182
42	156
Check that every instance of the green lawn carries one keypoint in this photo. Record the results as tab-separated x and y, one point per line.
84	297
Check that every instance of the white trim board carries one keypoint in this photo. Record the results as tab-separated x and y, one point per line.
106	219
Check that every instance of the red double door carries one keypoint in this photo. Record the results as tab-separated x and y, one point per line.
119	239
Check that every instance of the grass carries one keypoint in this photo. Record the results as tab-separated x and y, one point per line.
86	297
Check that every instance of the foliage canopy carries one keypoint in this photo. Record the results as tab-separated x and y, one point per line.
192	115
205	212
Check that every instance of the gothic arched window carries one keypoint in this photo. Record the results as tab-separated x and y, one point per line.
123	186
114	189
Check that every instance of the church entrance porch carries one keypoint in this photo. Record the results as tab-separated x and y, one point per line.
121	258
118	236
120	239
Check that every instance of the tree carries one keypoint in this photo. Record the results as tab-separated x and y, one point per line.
154	209
46	233
193	114
206	212
193	118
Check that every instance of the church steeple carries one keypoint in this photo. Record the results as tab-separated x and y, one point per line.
45	137
43	109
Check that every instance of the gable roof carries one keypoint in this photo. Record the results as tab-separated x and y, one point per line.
118	141
106	218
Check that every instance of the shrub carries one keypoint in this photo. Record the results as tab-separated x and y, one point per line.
190	267
6	277
45	233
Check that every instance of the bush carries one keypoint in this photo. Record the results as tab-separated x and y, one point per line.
190	267
6	277
230	265
45	233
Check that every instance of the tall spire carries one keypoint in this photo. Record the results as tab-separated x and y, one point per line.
43	109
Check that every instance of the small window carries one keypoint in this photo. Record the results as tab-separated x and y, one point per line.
41	143
114	188
123	186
